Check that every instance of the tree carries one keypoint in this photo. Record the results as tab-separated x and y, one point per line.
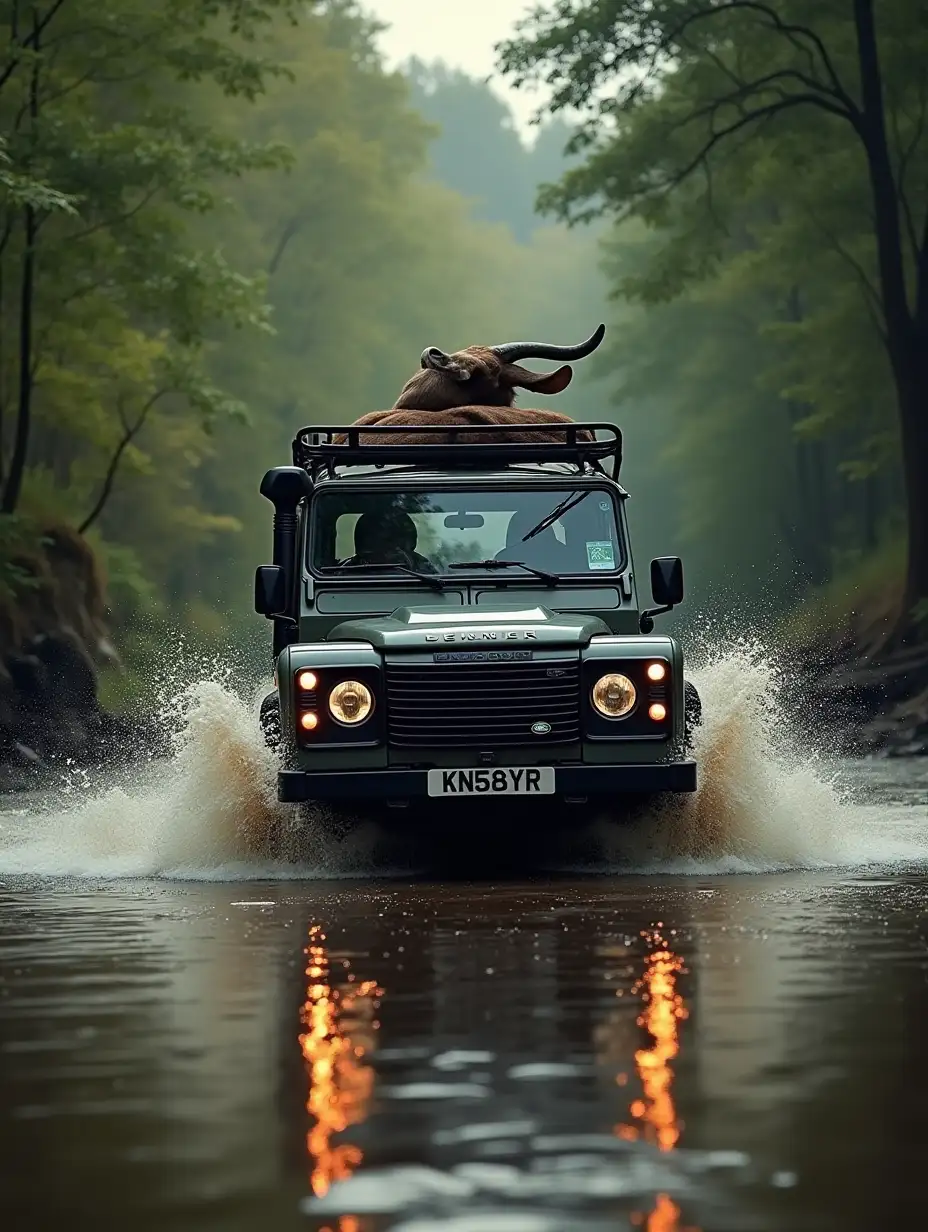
679	86
371	261
100	170
235	236
479	152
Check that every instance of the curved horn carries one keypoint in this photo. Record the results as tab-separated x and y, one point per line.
510	352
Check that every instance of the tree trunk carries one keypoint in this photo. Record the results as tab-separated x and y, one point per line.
820	482
869	513
906	341
14	481
911	372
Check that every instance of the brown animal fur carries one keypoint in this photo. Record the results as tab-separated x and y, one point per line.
477	386
473	377
466	415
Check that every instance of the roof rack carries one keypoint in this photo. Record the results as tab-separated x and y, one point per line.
315	449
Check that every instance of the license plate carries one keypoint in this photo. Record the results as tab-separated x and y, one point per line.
520	781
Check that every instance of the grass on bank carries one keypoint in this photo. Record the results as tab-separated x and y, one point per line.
856	607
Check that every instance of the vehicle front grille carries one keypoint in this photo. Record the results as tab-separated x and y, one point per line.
433	705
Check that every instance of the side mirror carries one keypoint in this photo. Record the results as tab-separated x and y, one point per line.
270	590
667	581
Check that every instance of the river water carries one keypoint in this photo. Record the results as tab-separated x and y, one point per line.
714	1020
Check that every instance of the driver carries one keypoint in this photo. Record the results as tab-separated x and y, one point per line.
388	538
544	550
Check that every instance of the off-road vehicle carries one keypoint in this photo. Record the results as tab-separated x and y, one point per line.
462	620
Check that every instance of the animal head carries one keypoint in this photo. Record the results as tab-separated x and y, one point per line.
488	376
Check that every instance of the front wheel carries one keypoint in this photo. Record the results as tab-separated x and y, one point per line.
692	712
269	720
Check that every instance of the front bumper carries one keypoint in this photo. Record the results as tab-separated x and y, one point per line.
298	786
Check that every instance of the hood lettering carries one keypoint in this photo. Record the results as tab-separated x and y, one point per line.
489	635
481	656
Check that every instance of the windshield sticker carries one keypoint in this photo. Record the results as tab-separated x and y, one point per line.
600	554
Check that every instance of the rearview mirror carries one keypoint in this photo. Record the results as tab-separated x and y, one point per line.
667	581
270	590
464	521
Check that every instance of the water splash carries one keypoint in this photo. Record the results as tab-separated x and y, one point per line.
209	812
766	801
769	797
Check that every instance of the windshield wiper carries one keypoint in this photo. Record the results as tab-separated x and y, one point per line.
567	504
430	579
550	579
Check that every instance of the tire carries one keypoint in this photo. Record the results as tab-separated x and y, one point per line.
269	719
692	713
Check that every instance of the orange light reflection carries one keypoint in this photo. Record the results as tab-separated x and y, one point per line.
339	1031
664	1218
654	1116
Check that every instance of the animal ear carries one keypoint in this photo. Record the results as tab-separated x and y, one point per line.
539	382
440	361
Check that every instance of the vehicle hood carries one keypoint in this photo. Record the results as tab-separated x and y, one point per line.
498	627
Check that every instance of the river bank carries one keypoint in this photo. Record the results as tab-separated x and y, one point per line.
870	706
54	642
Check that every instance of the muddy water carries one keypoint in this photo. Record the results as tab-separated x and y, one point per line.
714	1021
670	1053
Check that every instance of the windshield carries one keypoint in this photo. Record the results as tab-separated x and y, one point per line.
560	531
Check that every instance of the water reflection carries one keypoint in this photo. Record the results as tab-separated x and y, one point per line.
654	1116
340	1025
665	1217
656	1113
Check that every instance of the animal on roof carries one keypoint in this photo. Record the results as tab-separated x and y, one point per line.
478	385
488	376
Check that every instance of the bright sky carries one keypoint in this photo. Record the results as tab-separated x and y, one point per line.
463	35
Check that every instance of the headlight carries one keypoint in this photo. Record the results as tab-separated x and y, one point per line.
614	695
351	702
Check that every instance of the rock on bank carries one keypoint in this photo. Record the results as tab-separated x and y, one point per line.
53	641
871	705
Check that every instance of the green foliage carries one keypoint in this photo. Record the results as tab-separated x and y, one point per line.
20	550
856	603
20	190
733	146
106	166
368	262
220	221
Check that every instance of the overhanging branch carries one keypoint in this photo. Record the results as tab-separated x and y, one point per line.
754	116
130	432
291	229
873	301
746	90
793	33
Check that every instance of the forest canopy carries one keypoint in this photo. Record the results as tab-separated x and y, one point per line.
765	166
219	222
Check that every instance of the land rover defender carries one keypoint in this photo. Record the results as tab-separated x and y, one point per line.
462	620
